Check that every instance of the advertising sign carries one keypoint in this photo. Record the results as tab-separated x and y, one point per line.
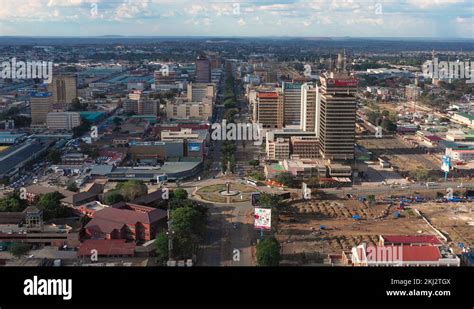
345	82
446	165
263	218
196	147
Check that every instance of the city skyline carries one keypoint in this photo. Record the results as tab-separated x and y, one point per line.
291	18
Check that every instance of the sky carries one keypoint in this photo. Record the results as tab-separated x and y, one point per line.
304	18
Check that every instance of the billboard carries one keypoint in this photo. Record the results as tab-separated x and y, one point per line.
194	147
345	82
446	166
342	82
255	198
162	178
263	218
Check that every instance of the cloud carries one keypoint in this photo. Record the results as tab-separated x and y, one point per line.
131	9
432	3
366	21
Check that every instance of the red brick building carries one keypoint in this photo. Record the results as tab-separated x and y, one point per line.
127	221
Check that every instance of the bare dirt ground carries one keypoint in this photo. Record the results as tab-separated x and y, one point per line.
305	241
452	219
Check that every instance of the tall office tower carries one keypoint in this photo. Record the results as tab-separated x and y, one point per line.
214	60
310	108
203	70
338	115
292	103
41	105
270	109
63	89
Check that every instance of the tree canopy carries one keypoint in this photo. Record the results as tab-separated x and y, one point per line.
131	189
268	252
50	203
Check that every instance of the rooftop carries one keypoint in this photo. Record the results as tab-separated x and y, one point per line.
106	247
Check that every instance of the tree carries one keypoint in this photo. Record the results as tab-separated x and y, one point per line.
268	252
371	199
286	178
389	125
180	194
268	200
50	203
313	182
113	197
72	186
54	156
12	203
161	244
19	249
132	189
81	129
188	225
76	105
419	174
232	163
117	121
254	163
257	175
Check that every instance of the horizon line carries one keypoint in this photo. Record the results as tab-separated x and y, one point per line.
233	37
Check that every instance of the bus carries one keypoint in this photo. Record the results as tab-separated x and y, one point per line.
252	182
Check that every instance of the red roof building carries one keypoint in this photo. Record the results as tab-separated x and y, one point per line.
420	255
113	247
126	221
411	240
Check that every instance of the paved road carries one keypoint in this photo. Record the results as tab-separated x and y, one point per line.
231	235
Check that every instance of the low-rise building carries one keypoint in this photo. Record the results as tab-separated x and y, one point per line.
401	256
306	147
181	109
127	221
464	119
63	120
278	149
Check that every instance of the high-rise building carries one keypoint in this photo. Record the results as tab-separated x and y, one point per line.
310	108
203	70
291	103
197	92
338	116
41	105
63	89
269	109
63	120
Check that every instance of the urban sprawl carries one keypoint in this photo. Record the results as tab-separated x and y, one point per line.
236	152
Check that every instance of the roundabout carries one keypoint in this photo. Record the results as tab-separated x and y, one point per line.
226	193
